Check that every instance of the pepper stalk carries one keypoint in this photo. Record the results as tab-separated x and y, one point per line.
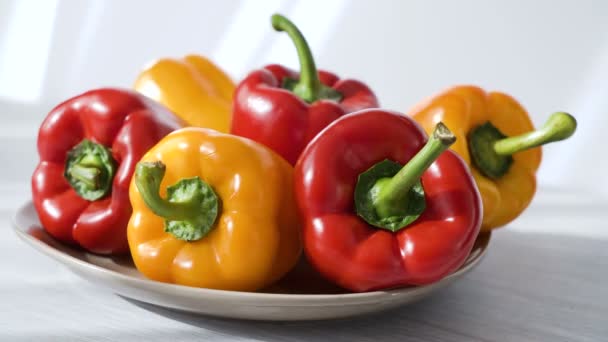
391	196
491	150
90	169
309	86
191	207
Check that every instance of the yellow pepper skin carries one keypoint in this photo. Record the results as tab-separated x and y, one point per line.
193	88
255	238
464	108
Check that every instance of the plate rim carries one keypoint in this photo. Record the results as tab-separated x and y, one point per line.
354	298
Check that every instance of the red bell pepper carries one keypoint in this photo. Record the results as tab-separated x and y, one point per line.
283	110
371	223
89	146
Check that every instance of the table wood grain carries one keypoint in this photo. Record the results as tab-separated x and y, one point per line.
529	287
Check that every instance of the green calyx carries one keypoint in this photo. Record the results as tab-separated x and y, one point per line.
308	87
191	207
90	169
390	196
491	151
324	92
483	156
366	195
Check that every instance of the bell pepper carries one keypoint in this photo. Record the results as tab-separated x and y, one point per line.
193	87
383	206
213	210
283	110
89	146
497	139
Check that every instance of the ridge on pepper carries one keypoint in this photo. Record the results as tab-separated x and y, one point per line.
192	87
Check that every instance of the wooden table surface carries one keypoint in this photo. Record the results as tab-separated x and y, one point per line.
537	283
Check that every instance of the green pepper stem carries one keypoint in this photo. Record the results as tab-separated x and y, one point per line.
89	175
89	169
559	126
148	176
392	191
309	85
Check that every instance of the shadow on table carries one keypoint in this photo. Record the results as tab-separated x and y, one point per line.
410	319
417	320
529	287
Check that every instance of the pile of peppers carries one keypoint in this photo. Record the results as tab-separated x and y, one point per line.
213	184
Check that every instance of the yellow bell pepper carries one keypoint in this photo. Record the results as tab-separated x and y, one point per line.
193	88
221	214
496	137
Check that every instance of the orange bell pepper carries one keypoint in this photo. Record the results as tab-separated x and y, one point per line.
497	139
222	216
193	88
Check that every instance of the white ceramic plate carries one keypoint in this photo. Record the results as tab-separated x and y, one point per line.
302	295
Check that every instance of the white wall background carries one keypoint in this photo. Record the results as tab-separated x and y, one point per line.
551	55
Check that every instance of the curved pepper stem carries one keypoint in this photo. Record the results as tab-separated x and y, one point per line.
191	207
309	87
392	193
559	126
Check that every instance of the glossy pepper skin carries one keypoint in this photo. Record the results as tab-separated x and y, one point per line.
464	108
255	237
266	111
122	122
356	255
193	87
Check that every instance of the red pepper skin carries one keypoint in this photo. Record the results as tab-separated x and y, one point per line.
125	121
353	254
277	118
